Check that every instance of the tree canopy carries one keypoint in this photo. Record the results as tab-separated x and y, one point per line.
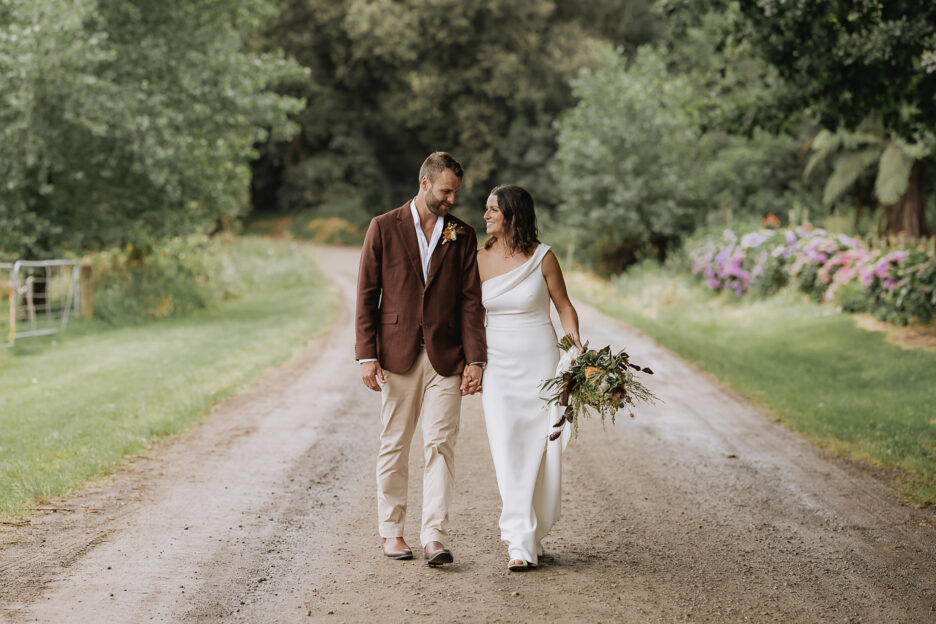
623	154
123	122
855	64
847	60
391	81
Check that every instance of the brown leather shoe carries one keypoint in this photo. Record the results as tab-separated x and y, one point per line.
396	548
436	554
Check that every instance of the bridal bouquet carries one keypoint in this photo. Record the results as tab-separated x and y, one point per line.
600	380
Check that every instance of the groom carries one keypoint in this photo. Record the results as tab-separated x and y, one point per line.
420	343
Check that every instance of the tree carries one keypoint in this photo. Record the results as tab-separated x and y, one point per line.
391	81
624	160
125	122
848	61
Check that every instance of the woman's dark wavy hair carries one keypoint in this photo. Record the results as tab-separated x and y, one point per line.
516	204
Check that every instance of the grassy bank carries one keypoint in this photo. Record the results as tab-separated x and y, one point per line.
72	406
841	386
311	226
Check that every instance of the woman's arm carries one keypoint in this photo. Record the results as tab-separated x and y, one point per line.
483	269
557	292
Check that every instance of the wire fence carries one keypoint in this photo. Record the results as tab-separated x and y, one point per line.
39	297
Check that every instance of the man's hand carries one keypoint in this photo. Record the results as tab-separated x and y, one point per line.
471	379
370	373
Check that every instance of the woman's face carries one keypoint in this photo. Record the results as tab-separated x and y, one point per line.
494	218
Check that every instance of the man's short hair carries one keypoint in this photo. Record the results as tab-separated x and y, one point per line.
436	162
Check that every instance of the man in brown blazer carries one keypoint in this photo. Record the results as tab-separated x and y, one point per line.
420	343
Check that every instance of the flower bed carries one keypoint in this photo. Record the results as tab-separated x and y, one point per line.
896	285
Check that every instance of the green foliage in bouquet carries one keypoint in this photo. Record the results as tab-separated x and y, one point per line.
600	380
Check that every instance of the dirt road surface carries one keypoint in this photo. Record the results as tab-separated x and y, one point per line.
702	510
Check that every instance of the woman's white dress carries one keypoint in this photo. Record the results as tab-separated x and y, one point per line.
522	353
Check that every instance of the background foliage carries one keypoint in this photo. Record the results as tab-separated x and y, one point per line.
392	81
124	122
632	122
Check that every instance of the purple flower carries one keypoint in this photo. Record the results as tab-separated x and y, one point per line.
754	239
733	267
897	256
723	254
847	241
714	284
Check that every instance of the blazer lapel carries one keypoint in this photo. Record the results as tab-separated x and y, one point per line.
438	255
407	229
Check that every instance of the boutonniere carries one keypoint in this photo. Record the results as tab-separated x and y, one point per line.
451	232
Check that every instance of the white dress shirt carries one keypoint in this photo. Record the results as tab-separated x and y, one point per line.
426	247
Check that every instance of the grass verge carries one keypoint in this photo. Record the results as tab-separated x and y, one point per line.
73	406
843	387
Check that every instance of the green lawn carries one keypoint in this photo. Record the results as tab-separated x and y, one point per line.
843	387
73	406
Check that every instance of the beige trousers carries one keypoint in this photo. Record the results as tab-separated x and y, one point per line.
404	397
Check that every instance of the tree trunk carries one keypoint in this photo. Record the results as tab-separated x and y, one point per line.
906	217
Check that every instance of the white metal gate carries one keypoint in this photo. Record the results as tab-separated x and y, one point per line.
41	296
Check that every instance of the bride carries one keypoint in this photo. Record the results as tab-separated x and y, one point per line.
519	276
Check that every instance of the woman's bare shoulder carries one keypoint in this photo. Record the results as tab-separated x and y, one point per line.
550	261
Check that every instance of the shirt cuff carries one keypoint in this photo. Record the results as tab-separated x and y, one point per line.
481	364
366	360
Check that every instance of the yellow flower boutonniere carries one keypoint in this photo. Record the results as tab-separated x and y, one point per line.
451	232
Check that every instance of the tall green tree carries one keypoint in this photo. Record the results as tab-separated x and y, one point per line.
853	62
392	80
122	122
624	160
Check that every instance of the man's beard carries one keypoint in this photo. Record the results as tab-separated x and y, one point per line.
433	205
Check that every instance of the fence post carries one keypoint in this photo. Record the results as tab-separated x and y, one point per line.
12	292
86	289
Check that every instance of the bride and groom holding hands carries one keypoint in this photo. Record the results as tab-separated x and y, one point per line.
435	317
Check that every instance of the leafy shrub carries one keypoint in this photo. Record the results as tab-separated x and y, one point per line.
172	279
852	297
812	253
896	285
755	261
907	291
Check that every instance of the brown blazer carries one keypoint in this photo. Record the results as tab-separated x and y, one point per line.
395	307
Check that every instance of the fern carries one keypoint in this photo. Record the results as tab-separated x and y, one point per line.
823	145
848	168
893	176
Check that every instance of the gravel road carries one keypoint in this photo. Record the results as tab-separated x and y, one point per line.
702	509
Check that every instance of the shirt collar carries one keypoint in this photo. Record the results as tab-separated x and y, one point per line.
436	231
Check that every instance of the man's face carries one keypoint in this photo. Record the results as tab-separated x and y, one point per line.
440	193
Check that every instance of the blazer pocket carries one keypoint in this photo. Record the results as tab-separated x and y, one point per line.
388	319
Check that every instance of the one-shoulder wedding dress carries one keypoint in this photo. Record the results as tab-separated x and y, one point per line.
522	353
